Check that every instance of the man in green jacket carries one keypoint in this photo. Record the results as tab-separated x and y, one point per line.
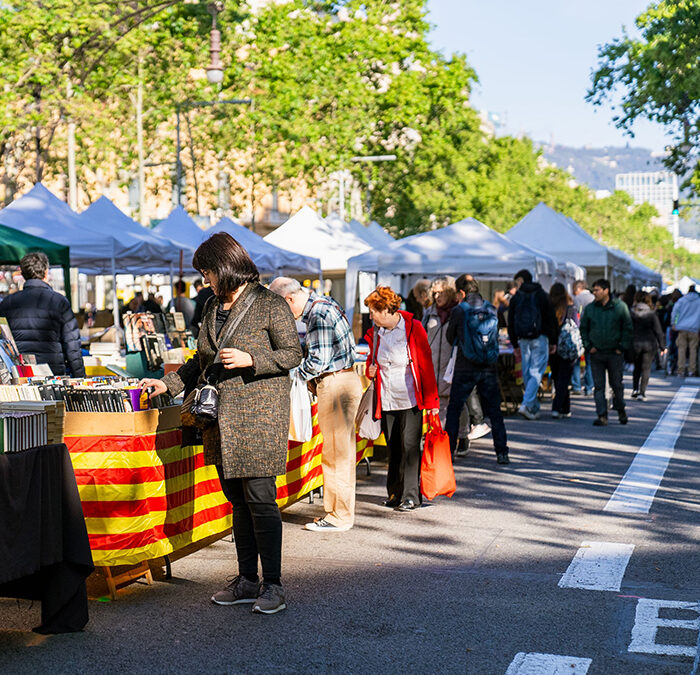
606	330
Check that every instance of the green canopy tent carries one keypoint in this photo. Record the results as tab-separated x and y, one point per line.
14	245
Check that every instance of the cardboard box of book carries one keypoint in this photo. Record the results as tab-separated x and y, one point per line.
121	423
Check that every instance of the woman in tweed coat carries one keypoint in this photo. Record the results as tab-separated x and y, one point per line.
248	445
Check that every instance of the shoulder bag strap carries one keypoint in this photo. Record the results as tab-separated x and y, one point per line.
231	328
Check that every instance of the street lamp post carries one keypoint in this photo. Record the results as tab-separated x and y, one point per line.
215	75
372	159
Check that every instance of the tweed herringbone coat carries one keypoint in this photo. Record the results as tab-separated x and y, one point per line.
250	439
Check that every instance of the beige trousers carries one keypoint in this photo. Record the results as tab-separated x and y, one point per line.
689	341
338	398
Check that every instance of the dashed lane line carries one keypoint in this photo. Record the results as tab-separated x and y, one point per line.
598	566
636	491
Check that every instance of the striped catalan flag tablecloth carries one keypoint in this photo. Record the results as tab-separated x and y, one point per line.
146	495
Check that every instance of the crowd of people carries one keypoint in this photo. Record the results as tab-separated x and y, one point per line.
436	353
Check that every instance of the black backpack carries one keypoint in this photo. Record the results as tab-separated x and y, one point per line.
528	319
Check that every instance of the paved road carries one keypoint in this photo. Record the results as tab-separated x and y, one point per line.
468	585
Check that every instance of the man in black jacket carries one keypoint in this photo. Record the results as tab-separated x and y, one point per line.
532	330
42	321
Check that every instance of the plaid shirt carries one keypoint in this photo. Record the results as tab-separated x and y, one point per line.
330	345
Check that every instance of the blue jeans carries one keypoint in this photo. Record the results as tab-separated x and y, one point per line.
587	376
535	356
486	383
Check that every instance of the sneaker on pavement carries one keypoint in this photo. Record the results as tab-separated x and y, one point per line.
601	421
565	414
635	394
642	397
270	600
238	592
323	525
622	415
479	431
502	458
556	415
527	413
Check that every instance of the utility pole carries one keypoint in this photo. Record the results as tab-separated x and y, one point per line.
139	145
72	178
37	133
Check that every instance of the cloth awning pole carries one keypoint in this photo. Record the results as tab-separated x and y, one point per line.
115	301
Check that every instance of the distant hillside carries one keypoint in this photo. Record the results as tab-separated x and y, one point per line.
596	167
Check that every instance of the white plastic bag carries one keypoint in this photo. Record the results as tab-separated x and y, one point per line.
367	426
450	370
300	422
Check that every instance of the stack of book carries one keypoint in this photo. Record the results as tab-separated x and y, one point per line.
53	414
22	430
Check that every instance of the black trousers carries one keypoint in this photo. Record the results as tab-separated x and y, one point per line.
486	383
257	524
403	430
643	356
561	375
614	364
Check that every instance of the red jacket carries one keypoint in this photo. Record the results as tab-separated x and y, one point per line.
421	363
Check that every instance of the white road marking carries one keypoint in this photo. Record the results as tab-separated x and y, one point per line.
598	566
637	489
547	664
647	623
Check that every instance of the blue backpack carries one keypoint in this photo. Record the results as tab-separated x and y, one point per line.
480	336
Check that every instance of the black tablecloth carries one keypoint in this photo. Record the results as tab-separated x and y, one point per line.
44	549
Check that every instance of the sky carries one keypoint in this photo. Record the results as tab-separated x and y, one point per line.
534	60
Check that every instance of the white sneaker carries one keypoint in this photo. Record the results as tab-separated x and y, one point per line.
479	431
642	397
323	525
555	414
527	413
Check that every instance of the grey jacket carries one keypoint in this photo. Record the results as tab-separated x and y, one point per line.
439	346
250	439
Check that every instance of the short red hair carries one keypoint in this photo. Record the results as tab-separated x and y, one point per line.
383	298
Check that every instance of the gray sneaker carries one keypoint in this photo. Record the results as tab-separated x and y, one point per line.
238	592
271	599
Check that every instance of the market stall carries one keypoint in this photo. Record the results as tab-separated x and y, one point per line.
565	240
466	246
145	496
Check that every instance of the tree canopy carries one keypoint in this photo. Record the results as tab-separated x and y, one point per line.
329	80
656	77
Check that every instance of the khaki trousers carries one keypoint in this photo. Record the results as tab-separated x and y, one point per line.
689	341
338	398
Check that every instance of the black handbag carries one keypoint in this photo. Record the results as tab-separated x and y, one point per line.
201	406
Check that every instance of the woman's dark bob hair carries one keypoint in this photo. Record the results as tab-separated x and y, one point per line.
224	256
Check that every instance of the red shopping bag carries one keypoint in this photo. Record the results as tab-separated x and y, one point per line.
437	477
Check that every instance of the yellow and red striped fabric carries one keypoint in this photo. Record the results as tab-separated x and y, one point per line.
146	496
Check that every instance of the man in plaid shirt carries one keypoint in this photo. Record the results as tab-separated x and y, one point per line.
328	365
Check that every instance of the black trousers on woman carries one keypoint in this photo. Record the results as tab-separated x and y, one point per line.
643	356
403	430
257	525
561	376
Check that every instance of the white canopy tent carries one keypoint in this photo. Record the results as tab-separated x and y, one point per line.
180	228
268	258
640	275
41	213
565	240
466	246
333	241
373	234
154	252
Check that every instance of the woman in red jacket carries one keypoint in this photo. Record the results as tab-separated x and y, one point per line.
405	386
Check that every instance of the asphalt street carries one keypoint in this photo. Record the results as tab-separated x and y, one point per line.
471	584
